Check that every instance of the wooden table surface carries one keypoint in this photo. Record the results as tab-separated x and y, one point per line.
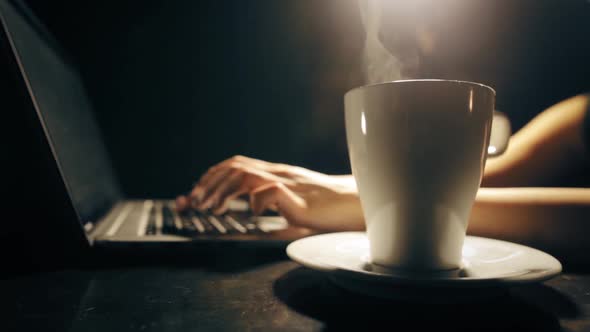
258	291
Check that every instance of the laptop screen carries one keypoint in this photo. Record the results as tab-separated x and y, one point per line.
64	110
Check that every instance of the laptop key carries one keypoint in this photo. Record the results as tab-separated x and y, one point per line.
169	225
199	226
228	225
187	224
151	223
157	211
209	228
247	223
235	224
177	222
217	224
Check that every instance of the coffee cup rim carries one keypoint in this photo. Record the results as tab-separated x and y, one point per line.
421	80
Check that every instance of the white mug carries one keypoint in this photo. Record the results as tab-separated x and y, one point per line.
417	150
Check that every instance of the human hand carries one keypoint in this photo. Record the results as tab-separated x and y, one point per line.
304	197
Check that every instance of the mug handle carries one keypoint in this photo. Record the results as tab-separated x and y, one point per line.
500	135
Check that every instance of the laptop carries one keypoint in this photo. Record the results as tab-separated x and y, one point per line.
73	199
83	185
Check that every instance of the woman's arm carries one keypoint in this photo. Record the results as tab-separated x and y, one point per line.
547	148
550	145
557	219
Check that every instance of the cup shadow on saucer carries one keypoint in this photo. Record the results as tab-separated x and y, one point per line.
313	294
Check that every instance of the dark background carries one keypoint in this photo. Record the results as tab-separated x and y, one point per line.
180	85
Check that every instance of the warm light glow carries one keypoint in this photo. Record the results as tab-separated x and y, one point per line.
363	123
492	149
471	102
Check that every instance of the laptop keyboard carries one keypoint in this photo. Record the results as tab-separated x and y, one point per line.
163	219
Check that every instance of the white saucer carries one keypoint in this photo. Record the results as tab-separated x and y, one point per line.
486	263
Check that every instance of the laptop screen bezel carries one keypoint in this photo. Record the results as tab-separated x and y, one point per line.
88	225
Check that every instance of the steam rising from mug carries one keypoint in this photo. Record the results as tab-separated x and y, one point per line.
378	63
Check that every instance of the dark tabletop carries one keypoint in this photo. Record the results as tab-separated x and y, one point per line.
261	292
